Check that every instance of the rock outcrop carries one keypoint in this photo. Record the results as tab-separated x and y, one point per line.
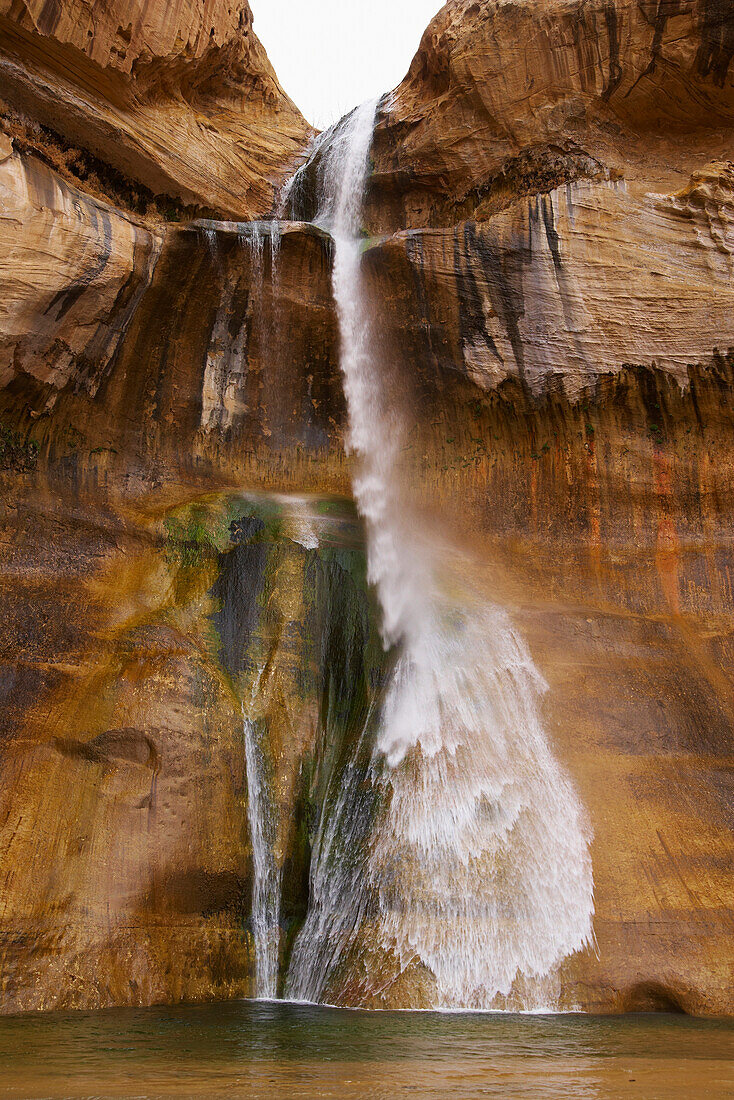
507	98
165	352
73	272
550	216
558	205
159	105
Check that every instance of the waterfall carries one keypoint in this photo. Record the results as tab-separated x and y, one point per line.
460	849
266	874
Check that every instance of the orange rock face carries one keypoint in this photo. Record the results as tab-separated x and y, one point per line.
506	98
552	210
549	178
177	103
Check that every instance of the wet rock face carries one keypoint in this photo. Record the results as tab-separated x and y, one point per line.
566	286
551	267
181	351
125	844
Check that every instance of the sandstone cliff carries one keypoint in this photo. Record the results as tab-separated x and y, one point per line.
551	213
152	104
559	181
512	98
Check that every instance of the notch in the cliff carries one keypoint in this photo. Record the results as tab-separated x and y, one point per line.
331	55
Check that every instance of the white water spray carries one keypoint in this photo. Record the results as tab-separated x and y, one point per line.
475	863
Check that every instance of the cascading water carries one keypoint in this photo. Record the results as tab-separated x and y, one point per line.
265	914
465	854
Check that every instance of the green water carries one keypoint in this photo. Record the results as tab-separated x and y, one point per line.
274	1051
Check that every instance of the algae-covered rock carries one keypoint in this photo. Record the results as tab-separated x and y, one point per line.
125	841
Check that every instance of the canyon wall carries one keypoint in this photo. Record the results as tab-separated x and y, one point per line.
507	99
549	229
162	107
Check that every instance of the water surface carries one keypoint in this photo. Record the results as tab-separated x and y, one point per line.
269	1051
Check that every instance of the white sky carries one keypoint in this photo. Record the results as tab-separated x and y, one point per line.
331	55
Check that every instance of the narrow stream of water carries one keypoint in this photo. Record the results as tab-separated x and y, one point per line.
266	875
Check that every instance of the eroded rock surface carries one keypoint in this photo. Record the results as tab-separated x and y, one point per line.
73	272
165	104
136	647
505	98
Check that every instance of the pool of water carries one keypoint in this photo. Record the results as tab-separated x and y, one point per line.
277	1050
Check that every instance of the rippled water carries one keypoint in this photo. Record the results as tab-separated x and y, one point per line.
274	1050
